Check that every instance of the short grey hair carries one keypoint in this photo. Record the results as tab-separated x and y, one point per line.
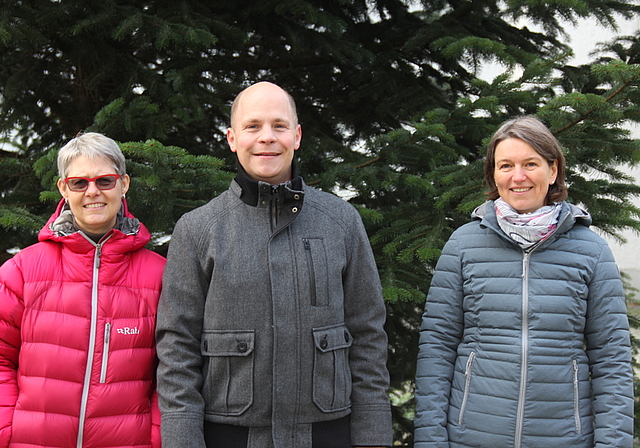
91	145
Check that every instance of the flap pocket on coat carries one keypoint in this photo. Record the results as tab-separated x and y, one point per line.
227	343
331	338
331	371
228	371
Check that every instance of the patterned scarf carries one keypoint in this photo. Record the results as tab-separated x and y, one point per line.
527	229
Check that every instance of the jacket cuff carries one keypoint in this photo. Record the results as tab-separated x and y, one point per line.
182	432
371	426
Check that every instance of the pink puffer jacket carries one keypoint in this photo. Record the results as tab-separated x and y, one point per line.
77	347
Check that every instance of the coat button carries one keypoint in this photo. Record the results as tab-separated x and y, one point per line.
324	344
242	347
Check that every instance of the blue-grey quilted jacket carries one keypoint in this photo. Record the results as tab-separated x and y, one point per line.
525	349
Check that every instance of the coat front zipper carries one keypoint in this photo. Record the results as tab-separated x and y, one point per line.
525	348
274	207
312	274
576	397
105	352
92	340
467	383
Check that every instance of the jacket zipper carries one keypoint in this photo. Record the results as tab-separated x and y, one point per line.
91	350
274	208
467	383
312	273
576	397
105	352
92	341
525	349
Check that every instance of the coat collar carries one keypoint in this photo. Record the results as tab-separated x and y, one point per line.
570	215
129	234
253	191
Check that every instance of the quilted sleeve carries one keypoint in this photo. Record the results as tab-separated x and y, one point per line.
11	310
609	351
440	335
156	438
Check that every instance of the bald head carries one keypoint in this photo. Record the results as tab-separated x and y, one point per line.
267	88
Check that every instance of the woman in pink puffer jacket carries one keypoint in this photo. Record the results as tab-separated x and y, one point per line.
77	316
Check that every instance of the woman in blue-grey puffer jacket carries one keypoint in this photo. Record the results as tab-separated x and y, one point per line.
525	337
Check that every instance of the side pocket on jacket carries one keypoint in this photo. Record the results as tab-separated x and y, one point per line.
331	371
105	352
467	383
576	396
228	372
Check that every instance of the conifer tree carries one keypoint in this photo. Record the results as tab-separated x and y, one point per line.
393	115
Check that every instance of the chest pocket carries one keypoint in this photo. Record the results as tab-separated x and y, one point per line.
315	258
228	371
331	372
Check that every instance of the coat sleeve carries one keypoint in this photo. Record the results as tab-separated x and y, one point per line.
365	314
11	311
609	352
440	335
178	334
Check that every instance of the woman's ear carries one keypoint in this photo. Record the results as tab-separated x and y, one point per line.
62	188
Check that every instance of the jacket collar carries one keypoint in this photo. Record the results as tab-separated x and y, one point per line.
253	191
570	215
284	200
65	223
129	234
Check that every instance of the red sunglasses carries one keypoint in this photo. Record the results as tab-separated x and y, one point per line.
104	182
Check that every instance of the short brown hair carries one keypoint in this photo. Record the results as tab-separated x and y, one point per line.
532	131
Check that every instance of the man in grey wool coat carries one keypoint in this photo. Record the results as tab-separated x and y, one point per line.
270	324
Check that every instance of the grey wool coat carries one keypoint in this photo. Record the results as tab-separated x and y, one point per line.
268	324
525	349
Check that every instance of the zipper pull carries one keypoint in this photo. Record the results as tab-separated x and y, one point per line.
469	363
98	255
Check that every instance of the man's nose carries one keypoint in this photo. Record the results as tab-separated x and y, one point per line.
267	134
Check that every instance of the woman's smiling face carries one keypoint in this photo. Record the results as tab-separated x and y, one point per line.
94	210
522	176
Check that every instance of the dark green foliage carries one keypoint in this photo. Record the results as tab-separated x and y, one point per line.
393	116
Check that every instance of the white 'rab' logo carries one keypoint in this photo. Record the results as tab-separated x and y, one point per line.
127	330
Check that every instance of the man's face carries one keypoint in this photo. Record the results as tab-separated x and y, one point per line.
265	133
